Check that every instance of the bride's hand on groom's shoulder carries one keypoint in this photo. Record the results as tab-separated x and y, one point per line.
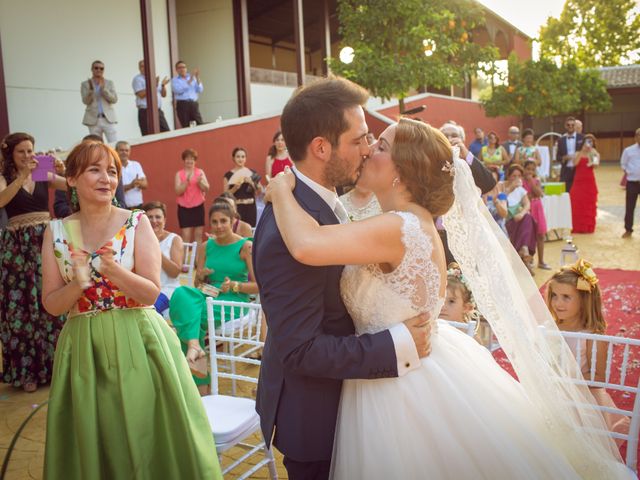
283	181
420	329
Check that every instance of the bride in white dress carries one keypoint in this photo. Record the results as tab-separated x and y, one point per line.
460	415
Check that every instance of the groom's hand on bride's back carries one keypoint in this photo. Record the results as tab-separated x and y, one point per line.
420	329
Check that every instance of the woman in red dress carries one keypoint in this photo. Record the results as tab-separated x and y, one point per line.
584	192
278	157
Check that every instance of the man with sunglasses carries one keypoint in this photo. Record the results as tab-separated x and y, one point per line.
99	95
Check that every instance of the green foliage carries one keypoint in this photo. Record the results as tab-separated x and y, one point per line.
592	33
387	38
542	89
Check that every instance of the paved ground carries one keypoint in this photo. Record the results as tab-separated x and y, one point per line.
604	248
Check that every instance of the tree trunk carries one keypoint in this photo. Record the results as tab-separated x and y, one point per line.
401	105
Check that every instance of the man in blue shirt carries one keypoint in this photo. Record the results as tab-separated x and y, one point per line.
480	141
139	85
186	88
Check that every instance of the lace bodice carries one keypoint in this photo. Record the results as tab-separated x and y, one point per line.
378	300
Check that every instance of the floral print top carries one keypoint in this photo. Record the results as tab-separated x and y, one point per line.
102	294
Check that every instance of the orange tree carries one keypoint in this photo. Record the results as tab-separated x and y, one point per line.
405	45
542	89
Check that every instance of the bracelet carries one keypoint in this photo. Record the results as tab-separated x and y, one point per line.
236	287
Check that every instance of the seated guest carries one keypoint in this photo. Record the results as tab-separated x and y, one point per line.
172	250
575	301
496	201
492	154
521	226
241	228
224	271
460	306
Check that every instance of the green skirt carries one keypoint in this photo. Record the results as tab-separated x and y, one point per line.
123	405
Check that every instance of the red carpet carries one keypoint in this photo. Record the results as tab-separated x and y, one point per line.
621	307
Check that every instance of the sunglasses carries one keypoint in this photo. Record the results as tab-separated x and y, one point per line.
98	68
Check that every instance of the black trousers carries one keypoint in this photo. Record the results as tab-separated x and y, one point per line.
142	121
566	176
188	112
633	191
307	470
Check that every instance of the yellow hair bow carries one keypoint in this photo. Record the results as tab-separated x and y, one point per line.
587	279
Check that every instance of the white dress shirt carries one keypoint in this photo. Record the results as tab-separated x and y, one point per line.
406	354
133	169
630	162
571	149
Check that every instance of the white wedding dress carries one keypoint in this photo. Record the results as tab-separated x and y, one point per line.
458	416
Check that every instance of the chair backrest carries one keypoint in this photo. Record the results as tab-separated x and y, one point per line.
238	337
467	327
622	349
617	347
189	262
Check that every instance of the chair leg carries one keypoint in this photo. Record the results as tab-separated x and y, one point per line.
273	473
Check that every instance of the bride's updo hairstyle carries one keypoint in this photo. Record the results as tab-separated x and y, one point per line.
419	152
82	157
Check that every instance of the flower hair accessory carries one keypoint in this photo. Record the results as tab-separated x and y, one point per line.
448	165
587	279
455	272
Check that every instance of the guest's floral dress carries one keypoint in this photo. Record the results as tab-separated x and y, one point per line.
122	402
27	332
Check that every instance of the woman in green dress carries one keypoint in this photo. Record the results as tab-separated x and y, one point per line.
224	264
122	404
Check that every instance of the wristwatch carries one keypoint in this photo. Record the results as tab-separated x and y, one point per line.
236	287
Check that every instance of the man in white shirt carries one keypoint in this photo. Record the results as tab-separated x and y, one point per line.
630	162
133	177
99	96
512	144
568	145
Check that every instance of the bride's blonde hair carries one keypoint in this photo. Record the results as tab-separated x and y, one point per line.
419	153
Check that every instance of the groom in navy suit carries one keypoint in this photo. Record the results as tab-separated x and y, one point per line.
311	346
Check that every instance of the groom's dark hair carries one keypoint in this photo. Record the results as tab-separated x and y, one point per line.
317	110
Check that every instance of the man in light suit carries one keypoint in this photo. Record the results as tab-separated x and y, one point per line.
99	96
311	344
568	145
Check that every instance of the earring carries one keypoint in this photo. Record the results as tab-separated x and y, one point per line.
114	201
395	182
73	200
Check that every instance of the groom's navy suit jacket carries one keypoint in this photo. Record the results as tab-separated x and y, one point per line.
310	345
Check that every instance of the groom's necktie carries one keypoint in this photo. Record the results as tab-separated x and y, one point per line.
341	212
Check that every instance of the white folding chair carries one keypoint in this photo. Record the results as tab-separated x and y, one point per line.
469	328
233	418
189	262
614	345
